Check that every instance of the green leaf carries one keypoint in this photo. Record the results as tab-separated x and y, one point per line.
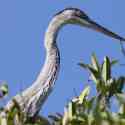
83	65
106	69
121	98
104	115
91	103
85	93
95	75
122	109
71	110
4	88
91	119
120	83
113	62
95	63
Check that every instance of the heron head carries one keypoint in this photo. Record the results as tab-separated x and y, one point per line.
77	16
74	16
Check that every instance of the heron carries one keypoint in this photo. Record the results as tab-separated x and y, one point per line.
32	98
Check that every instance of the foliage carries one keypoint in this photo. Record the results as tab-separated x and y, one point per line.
86	109
3	90
96	110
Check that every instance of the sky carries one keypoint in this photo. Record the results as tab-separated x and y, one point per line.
22	27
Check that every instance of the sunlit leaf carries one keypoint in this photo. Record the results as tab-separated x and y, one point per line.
95	63
84	94
106	69
71	109
95	76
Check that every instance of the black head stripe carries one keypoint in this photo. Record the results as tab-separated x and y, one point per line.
77	12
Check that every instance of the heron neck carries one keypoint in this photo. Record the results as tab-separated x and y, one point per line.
52	31
52	62
43	85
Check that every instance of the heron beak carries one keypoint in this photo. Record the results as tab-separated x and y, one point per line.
93	25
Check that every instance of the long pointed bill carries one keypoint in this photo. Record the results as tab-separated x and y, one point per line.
99	28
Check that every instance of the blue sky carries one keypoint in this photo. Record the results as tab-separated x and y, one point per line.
22	27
